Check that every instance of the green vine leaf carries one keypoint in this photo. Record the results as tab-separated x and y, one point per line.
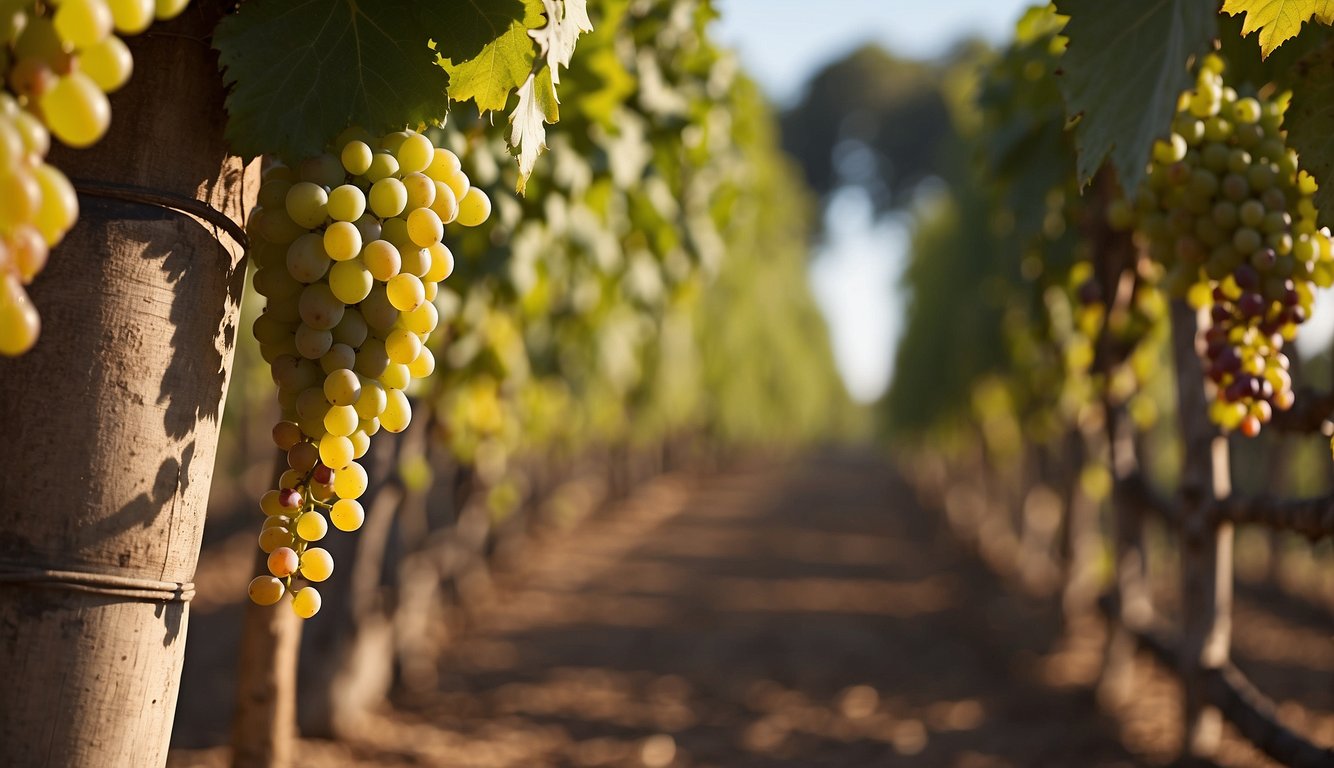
1310	123
1124	68
500	66
470	25
301	71
1278	20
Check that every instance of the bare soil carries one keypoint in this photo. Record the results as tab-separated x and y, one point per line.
801	613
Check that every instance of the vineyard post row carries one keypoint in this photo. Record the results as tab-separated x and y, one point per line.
1096	212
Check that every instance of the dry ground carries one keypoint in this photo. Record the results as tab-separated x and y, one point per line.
806	613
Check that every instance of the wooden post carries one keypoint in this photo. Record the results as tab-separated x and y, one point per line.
1206	547
110	424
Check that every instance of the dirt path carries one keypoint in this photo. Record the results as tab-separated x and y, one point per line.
807	614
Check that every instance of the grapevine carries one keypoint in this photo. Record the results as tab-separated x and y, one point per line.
1231	215
349	255
59	61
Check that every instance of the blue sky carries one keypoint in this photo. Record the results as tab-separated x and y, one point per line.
781	44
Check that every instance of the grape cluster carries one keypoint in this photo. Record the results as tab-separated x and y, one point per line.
58	60
37	207
349	254
1229	213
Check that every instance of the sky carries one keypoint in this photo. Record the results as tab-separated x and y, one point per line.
782	43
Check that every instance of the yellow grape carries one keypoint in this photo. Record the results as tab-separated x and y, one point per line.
442	263
76	110
168	9
342	241
60	205
347	514
383	165
421	190
131	16
397	411
306	602
356	157
446	203
361	442
341	420
350	281
270	503
316	564
342	387
371	402
347	202
19	321
414	154
109	63
307	204
402	346
405	291
382	259
396	376
425	227
335	451
351	481
474	208
273	537
416	260
83	23
423	365
311	526
444	164
388	197
423	319
265	590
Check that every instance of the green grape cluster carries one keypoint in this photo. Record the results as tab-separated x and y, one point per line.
58	60
37	207
1230	214
349	255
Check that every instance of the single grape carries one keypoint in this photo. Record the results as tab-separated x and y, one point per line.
283	561
316	564
335	451
474	208
76	110
306	602
351	481
347	514
265	590
311	526
397	412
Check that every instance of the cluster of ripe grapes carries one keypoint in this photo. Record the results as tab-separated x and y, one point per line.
58	60
349	254
1230	214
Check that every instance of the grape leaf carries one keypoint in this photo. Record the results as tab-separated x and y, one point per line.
1278	20
469	25
300	71
566	20
528	134
500	66
1125	65
1310	123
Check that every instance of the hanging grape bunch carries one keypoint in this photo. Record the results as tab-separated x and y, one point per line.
349	257
1231	216
58	61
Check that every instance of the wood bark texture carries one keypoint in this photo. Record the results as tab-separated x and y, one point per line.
111	423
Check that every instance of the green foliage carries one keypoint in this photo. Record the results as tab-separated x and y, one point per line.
300	73
1125	66
489	76
1310	123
